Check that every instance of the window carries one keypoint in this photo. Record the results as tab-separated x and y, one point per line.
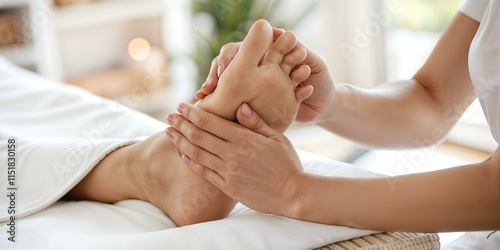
411	35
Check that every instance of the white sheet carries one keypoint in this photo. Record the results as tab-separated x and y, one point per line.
62	132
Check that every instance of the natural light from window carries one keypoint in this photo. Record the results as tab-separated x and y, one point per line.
410	38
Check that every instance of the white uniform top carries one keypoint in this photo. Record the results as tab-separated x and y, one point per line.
484	58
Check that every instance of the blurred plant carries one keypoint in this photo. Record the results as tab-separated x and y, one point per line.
225	21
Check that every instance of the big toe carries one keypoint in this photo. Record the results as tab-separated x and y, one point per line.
255	45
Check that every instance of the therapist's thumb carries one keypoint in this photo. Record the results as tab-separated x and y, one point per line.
249	119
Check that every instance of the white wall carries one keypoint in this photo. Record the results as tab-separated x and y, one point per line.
349	34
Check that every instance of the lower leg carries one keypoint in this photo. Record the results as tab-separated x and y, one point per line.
153	171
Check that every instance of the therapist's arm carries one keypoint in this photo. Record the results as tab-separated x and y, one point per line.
406	113
457	199
410	113
265	174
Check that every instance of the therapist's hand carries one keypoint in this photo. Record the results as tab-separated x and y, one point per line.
254	165
313	109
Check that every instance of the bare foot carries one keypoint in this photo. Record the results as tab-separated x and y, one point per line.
264	75
171	186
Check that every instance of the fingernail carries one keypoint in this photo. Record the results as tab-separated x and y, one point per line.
219	70
170	133
282	30
247	112
196	94
186	159
205	83
170	118
180	108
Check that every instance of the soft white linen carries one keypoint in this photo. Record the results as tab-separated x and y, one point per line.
63	132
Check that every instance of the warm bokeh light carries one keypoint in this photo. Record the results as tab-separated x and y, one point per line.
139	49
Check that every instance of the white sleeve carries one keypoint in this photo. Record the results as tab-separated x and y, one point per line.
474	8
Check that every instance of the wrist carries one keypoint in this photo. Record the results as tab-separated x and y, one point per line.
296	196
344	106
316	199
331	106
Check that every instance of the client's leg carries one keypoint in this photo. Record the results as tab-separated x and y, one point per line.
152	170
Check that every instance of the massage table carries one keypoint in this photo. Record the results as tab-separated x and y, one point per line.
61	132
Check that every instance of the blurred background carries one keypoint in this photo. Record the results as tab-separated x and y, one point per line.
152	54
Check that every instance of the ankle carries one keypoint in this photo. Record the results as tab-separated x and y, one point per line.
139	164
148	172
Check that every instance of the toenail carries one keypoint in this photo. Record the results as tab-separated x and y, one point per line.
180	108
186	159
170	118
170	133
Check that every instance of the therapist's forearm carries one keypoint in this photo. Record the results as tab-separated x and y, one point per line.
401	114
456	199
411	113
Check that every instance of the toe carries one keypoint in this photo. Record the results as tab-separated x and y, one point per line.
292	59
300	74
281	47
255	45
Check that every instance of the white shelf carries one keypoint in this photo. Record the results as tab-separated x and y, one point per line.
43	51
13	3
105	11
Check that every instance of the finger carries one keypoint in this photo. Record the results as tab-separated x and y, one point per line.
208	122
212	78
303	92
249	119
197	136
300	74
205	172
199	95
227	54
188	148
